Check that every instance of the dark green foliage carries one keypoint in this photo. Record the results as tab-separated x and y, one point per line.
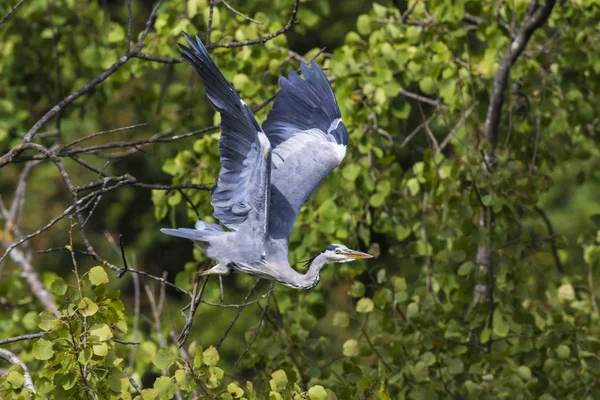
413	89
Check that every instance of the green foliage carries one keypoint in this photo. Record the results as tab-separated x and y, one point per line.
414	323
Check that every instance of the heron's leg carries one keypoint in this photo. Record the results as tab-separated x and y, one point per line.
221	287
220	270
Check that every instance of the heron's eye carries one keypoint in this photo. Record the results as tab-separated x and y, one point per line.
338	251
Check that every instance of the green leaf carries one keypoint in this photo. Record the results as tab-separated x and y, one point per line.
364	305
465	268
215	375
68	380
210	356
87	307
563	351
413	186
455	366
317	393
116	34
566	292
402	113
427	85
118	381
47	321
235	391
279	381
164	358
198	357
97	276
412	311
399	284
341	319
357	289
101	331
30	320
500	327
164	386
351	172
15	378
363	24
100	349
58	287
240	81
42	349
524	372
350	348
149	394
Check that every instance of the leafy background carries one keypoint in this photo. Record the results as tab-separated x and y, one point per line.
413	81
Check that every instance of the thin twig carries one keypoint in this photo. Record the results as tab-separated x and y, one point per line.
196	299
129	24
156	316
247	18
290	23
11	11
364	332
553	246
211	9
93	135
136	317
239	312
260	322
428	263
133	342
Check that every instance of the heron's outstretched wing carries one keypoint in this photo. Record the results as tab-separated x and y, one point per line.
242	189
309	140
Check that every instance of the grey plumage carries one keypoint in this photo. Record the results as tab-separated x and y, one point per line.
267	174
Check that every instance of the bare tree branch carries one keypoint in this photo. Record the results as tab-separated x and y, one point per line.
535	16
30	336
11	11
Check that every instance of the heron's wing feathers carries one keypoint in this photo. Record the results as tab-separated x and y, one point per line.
242	187
302	105
299	165
309	140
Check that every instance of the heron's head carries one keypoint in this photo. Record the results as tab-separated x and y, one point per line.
338	253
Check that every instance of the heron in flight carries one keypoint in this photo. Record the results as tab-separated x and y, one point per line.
267	173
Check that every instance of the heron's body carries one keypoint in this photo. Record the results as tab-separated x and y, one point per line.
267	173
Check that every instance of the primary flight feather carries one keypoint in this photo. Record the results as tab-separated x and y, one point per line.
267	173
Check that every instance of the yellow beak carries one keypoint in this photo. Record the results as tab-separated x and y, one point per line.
357	254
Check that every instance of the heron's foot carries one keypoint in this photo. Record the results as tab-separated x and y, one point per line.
218	269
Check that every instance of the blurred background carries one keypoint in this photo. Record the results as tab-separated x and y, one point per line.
413	80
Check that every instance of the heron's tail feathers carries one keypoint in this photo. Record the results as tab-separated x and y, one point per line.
202	232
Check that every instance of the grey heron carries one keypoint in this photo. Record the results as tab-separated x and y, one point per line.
267	173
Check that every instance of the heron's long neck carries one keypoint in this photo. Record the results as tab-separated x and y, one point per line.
311	278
